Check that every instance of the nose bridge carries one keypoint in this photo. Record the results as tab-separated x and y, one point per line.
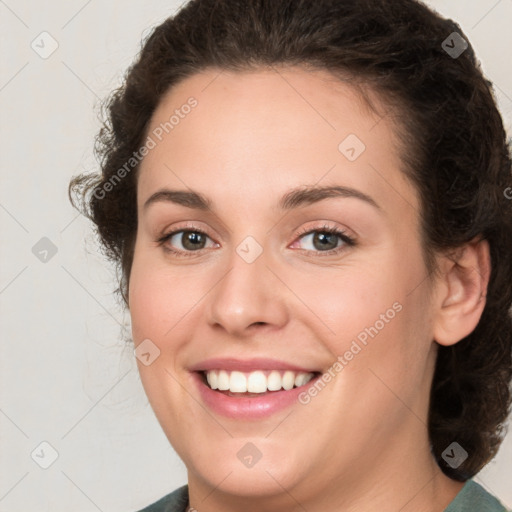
249	292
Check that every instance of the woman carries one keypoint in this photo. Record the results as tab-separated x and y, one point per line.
308	203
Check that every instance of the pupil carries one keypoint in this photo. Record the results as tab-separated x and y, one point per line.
192	237
323	237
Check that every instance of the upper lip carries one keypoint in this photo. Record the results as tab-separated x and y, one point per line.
247	365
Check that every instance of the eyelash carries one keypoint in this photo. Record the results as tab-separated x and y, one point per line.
348	240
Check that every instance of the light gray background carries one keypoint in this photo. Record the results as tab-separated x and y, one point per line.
65	376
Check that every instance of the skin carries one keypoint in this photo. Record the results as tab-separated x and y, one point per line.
362	442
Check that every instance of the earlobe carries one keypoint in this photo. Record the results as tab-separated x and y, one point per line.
463	288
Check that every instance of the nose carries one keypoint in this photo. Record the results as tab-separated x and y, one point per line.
249	296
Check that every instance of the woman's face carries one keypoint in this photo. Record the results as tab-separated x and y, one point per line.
259	285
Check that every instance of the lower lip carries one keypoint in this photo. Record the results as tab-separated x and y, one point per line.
249	408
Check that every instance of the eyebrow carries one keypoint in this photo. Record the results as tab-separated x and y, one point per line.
293	199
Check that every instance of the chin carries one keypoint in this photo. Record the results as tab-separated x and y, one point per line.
227	472
255	483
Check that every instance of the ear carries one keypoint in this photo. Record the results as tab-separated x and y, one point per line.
461	292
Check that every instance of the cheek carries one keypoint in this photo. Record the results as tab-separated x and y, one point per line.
163	298
149	299
374	316
348	301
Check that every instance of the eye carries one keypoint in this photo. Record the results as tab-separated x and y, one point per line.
192	240
325	240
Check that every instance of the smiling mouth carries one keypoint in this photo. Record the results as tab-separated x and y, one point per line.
254	383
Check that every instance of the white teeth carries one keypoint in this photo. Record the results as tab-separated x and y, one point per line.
237	382
288	380
301	379
274	381
222	381
258	381
213	379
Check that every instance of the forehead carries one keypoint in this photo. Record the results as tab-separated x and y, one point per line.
267	131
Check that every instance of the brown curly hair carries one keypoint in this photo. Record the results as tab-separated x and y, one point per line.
456	154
